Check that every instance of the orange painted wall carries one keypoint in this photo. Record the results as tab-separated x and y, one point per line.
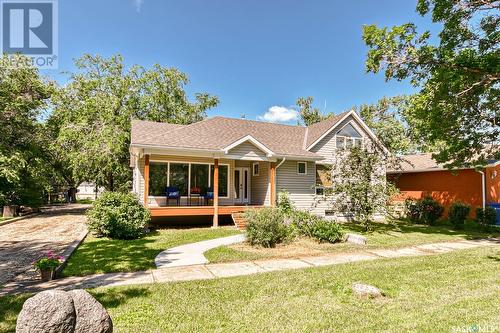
444	186
493	184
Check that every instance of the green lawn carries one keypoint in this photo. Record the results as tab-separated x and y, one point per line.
104	255
383	235
439	293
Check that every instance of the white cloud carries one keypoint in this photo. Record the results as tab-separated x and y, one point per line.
279	114
138	5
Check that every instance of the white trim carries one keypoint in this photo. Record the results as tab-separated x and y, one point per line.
359	120
255	174
305	164
252	140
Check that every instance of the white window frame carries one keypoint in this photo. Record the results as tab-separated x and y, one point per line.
256	164
353	140
189	176
305	168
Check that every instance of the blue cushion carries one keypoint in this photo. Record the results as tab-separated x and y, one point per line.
173	194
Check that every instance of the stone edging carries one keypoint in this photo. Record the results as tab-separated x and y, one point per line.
15	219
69	251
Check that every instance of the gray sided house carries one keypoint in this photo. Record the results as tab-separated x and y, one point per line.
222	166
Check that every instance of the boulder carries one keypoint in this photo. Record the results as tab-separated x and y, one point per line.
366	290
91	316
356	239
48	311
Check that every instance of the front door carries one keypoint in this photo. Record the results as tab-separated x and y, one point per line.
242	185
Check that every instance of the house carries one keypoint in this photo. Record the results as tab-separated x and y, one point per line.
421	175
88	190
243	163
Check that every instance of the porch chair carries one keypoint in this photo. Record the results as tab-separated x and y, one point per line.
208	195
172	192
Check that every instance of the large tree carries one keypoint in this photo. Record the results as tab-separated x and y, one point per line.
457	76
309	114
93	112
23	96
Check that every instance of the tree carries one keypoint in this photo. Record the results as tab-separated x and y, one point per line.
458	102
360	187
23	96
308	114
93	113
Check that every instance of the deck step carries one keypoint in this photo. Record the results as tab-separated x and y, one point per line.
239	220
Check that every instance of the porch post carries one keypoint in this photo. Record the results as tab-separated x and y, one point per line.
272	181
216	193
146	179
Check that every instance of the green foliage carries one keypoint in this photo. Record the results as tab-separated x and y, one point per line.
284	203
360	187
486	217
308	114
458	213
24	173
456	109
118	215
48	261
266	227
92	114
325	231
426	210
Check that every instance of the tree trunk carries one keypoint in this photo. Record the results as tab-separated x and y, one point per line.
111	184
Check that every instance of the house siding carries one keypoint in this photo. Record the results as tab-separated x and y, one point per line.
261	192
247	150
300	187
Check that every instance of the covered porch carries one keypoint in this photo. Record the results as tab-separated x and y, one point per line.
207	186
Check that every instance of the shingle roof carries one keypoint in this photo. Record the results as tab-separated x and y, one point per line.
317	130
219	132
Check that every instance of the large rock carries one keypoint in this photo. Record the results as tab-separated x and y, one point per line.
91	316
366	290
356	239
49	311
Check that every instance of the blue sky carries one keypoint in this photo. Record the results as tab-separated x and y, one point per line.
252	54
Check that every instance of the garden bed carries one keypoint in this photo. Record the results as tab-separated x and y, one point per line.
382	235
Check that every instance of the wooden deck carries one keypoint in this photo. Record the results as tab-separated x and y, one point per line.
198	210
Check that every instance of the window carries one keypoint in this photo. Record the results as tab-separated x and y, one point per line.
199	178
157	178
324	179
179	176
255	169
348	137
301	168
223	179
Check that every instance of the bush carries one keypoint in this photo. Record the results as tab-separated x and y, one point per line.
266	227
118	215
486	217
326	231
458	213
284	203
316	227
425	210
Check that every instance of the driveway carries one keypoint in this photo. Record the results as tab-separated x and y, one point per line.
22	242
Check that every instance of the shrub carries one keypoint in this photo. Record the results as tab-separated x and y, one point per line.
486	217
284	203
118	215
458	213
425	210
266	227
326	231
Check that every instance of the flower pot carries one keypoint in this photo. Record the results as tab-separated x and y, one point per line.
47	274
10	211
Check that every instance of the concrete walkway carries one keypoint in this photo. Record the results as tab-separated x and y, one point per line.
193	254
212	271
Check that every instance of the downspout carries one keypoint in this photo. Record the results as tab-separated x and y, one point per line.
483	187
280	163
276	177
